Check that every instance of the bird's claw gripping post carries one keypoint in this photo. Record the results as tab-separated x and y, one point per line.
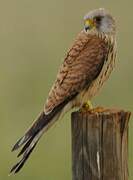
86	107
98	109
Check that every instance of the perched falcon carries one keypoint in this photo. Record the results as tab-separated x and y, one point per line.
86	67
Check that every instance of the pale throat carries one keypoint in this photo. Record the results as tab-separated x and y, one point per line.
109	38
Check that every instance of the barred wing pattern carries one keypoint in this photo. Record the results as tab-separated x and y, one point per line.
81	66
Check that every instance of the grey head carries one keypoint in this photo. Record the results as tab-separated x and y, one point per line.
99	20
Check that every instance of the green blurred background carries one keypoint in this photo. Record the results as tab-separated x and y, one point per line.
34	36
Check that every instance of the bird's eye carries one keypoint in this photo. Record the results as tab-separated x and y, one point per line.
97	19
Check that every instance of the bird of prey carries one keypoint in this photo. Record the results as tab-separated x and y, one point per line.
86	66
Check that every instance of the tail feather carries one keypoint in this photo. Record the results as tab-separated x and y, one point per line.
32	136
25	146
26	151
20	164
34	129
30	140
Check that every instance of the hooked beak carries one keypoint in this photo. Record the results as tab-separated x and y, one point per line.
89	24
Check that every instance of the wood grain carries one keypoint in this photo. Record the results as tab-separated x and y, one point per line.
100	145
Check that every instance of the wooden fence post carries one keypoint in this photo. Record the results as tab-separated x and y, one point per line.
100	145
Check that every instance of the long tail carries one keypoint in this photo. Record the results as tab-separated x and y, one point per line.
32	136
30	139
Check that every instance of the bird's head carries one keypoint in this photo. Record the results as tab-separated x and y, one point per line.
99	20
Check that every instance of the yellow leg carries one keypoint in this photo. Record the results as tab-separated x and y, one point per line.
86	107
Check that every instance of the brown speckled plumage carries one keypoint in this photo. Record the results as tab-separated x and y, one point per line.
80	68
86	67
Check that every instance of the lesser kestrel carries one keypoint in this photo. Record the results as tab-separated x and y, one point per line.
86	67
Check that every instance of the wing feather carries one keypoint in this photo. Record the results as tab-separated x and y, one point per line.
81	66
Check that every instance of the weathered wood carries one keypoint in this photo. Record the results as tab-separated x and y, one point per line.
99	145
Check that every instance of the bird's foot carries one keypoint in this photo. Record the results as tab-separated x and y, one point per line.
98	109
86	107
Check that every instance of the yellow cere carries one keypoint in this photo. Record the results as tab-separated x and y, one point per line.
89	23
